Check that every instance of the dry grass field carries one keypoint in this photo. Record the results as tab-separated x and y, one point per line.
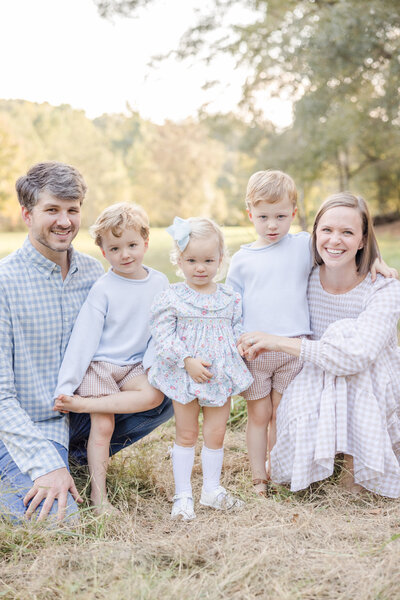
319	544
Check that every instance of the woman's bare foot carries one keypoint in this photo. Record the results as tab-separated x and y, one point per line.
66	404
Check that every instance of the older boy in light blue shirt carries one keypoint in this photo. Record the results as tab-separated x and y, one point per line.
271	274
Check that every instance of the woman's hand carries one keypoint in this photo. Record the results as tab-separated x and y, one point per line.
197	369
250	345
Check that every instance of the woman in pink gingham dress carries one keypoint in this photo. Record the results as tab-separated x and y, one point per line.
346	399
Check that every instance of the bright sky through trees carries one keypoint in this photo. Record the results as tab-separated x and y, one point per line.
63	52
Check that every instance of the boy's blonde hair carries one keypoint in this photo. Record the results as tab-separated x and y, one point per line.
203	228
270	186
119	217
370	250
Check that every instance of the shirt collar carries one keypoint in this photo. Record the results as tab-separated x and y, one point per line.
43	264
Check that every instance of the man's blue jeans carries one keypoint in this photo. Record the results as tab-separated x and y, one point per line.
130	428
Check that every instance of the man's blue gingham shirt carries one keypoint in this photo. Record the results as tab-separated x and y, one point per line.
37	313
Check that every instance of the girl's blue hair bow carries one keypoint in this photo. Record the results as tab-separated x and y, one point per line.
180	231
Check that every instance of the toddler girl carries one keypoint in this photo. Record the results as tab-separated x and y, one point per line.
195	325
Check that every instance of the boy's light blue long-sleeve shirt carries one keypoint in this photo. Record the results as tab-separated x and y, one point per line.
272	281
112	326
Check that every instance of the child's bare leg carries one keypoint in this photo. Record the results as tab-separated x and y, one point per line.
101	430
186	423
212	454
214	425
259	413
137	395
275	400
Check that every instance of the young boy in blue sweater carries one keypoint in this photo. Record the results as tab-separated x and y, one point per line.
102	371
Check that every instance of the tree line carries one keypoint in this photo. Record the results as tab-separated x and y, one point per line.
336	60
195	167
198	166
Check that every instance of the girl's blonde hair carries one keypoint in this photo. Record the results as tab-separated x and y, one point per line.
203	228
119	217
370	250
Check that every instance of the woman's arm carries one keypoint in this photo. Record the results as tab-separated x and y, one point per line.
349	345
252	344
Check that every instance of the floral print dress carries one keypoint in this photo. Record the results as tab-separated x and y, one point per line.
187	323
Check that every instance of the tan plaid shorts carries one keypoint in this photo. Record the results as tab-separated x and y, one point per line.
271	370
103	378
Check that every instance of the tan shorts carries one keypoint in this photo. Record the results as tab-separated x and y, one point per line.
103	378
271	370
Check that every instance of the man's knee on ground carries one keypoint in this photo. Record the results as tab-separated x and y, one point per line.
13	509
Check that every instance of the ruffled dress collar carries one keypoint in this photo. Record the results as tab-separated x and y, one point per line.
215	301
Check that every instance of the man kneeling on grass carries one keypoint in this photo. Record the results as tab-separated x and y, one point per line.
42	288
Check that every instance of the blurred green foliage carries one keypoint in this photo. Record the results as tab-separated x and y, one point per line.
337	61
183	169
160	245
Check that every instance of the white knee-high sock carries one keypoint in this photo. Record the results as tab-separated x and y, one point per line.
211	461
182	465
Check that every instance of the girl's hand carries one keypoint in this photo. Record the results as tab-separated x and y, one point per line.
197	369
379	266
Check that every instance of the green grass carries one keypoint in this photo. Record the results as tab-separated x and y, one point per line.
160	246
390	249
157	255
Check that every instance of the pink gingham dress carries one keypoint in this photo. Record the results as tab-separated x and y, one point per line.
347	396
186	323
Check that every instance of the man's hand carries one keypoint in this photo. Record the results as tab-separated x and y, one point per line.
52	486
196	367
379	266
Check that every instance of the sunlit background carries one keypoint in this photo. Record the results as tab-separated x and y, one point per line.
178	121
